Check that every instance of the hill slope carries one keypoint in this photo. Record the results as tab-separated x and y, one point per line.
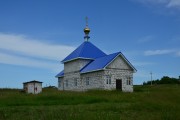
147	102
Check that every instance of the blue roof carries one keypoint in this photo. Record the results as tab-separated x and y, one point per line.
99	63
61	74
85	51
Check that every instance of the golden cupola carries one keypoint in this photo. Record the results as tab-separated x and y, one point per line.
86	31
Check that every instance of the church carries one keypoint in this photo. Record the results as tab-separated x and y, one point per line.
87	67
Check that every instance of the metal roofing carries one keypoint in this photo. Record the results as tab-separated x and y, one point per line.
61	74
102	62
99	63
86	51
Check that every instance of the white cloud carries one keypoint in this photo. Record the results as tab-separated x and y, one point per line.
22	45
19	50
173	3
142	63
145	39
15	60
153	1
157	52
178	53
166	3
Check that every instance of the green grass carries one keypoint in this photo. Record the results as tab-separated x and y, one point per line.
145	103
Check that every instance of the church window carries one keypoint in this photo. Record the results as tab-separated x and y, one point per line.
66	83
128	81
75	81
108	79
87	80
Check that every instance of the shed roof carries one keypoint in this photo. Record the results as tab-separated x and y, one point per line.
33	81
85	51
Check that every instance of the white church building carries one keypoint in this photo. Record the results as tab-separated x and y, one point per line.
87	67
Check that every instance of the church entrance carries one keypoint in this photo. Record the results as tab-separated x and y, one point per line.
118	84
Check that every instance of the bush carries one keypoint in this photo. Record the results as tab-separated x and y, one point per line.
164	80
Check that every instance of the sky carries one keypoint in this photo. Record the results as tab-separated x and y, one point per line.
36	35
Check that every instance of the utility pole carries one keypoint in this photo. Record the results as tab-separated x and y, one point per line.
151	77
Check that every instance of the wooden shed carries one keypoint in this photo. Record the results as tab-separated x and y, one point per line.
33	87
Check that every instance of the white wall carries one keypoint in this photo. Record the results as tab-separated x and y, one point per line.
34	88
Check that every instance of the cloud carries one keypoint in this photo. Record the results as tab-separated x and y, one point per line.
158	52
166	3
145	39
153	1
174	3
22	45
19	50
178	53
137	64
15	60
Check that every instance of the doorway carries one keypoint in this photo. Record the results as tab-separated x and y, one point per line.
119	84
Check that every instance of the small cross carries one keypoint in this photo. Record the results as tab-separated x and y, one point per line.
86	21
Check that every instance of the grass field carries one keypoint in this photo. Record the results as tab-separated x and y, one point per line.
160	102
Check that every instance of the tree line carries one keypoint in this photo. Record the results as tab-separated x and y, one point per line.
163	80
